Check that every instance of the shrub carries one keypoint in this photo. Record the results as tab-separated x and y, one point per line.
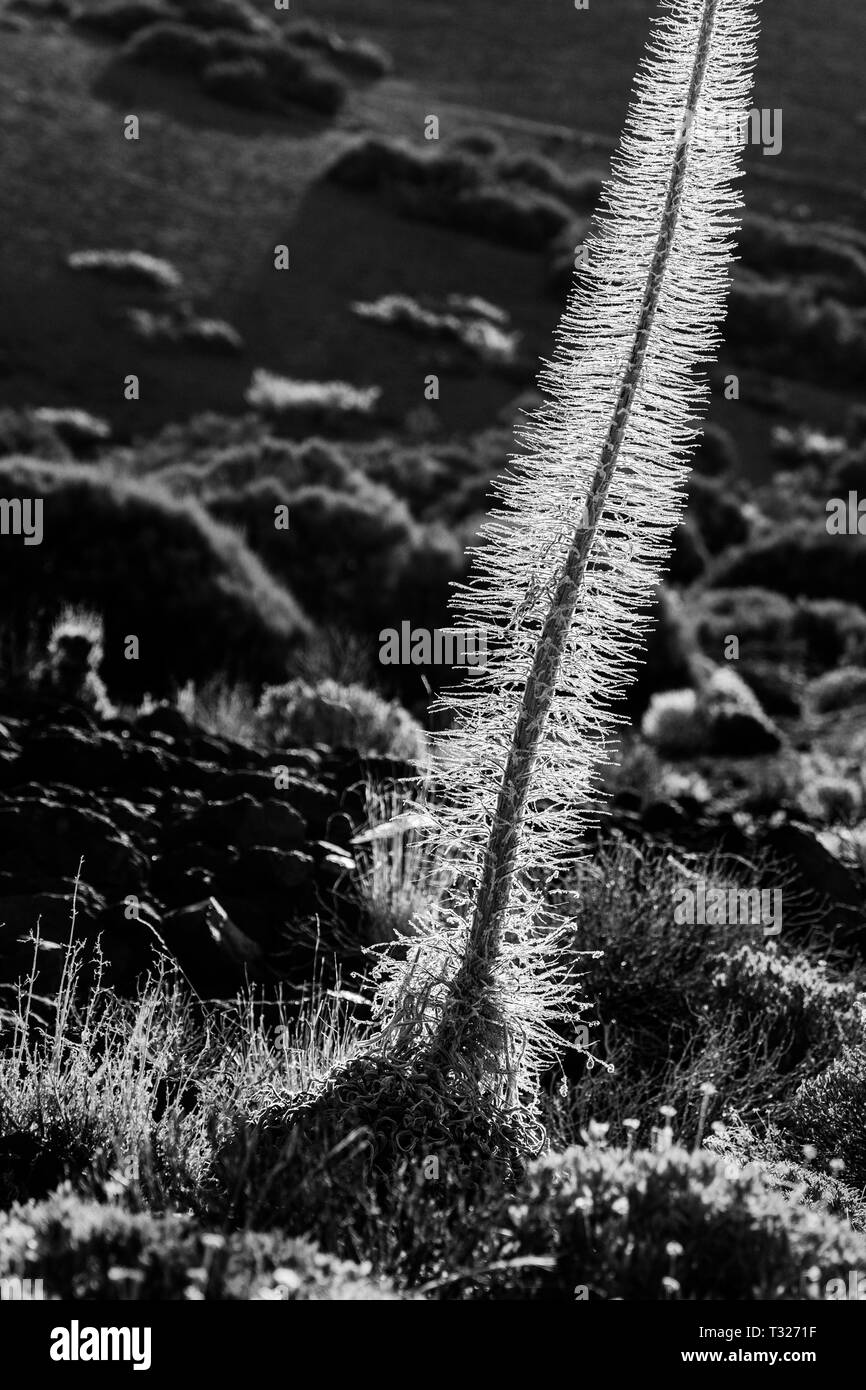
738	726
777	686
797	559
525	218
170	45
760	618
359	56
224	14
669	650
192	592
78	428
491	342
838	689
829	1112
120	18
667	1225
809	332
83	1249
397	876
129	267
328	399
486	144
814	633
788	1003
341	716
450	187
296	79
357	580
674	724
537	171
836	799
210	335
243	82
28	432
848	473
71	669
228	711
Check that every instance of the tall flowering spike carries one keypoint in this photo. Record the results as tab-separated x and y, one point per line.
563	581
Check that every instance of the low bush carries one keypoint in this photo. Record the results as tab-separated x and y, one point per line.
814	634
129	267
761	619
667	1225
86	1249
359	56
737	725
809	334
243	82
225	14
121	18
453	188
170	45
241	65
340	716
281	395
829	1113
674	725
78	428
28	432
210	335
581	190
848	473
796	559
789	1004
838	689
198	600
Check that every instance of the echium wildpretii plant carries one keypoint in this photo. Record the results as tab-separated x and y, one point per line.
571	556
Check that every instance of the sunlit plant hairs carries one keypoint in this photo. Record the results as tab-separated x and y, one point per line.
570	557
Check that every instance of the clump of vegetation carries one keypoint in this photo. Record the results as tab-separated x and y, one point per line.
721	716
78	428
359	56
342	716
479	329
91	1249
170	45
838	689
674	724
196	598
668	1224
211	335
397	876
129	267
451	187
829	1114
70	670
121	18
281	395
251	69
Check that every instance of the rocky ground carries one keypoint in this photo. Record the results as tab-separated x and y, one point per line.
237	862
230	858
